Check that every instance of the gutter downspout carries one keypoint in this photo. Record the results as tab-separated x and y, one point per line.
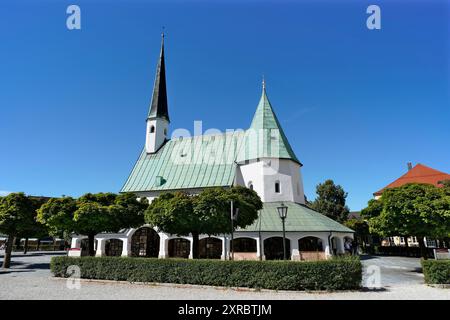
260	239
330	246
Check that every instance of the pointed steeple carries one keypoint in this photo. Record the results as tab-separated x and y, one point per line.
272	141
159	107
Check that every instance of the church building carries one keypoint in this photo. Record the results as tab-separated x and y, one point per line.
259	158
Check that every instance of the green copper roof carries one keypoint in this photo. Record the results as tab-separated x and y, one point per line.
159	107
194	162
265	137
299	218
210	160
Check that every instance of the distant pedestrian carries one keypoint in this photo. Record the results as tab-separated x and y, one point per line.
348	247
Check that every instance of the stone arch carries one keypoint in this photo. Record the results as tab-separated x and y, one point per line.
244	248
113	247
210	248
335	245
311	243
179	248
273	248
145	243
244	244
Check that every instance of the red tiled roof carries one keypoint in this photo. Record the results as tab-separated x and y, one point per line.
418	174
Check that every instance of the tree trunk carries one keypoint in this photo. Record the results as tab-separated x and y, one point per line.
195	245
25	246
17	243
406	246
38	245
8	250
91	242
423	249
447	242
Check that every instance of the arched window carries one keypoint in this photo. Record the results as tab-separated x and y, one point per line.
152	129
277	186
250	185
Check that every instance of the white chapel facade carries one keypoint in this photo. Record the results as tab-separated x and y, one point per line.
259	158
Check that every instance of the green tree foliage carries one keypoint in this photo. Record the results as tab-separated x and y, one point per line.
330	201
446	184
420	210
17	213
206	213
57	215
92	214
36	229
361	228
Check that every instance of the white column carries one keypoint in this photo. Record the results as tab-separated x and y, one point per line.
126	247
340	244
260	249
295	253
191	248
75	243
163	246
225	248
327	249
100	248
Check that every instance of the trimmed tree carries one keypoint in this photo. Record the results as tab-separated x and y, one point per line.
92	214
17	214
57	215
330	201
419	210
361	228
36	229
206	213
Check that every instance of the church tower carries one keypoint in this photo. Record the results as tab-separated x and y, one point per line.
267	163
158	115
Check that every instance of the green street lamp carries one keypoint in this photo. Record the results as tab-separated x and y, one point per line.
282	212
234	216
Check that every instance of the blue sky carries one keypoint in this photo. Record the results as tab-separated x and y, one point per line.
356	104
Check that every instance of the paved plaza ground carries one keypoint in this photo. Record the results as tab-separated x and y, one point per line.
30	278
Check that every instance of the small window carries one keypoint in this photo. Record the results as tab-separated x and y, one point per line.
250	185
165	131
277	187
152	129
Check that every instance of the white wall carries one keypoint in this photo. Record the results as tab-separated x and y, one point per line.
154	140
265	173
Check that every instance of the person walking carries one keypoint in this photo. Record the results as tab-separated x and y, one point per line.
348	247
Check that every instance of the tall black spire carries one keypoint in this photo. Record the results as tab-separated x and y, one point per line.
159	107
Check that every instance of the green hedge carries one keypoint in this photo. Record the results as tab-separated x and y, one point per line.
436	271
335	274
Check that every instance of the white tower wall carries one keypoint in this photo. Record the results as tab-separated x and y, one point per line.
155	137
265	173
